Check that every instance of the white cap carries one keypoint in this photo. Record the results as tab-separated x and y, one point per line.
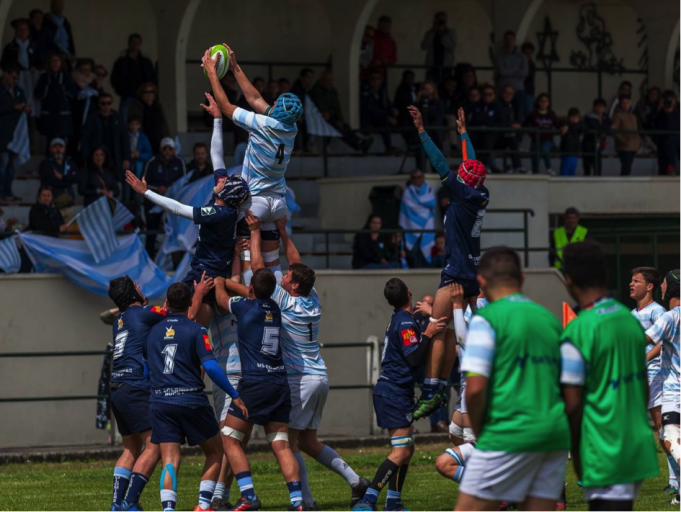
56	141
167	141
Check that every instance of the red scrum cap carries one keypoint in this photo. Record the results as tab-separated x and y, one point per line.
472	173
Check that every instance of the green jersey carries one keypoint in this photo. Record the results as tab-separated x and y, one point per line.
515	343
604	351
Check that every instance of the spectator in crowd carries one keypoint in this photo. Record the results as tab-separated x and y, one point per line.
623	90
366	53
385	47
59	172
136	148
511	66
417	211
59	26
56	91
301	88
100	178
569	233
450	99
325	97
626	144
646	108
438	253
511	116
160	173
13	103
44	216
405	95
284	85
394	251
41	37
527	49
570	135
369	248
376	109
442	202
272	92
150	111
100	75
85	104
467	80
130	71
104	128
200	164
486	114
471	101
432	109
20	51
545	119
597	124
439	43
667	118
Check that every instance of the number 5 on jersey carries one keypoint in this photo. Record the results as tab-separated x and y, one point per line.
270	341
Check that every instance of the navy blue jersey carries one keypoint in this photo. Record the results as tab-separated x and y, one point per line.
130	335
217	238
175	349
257	329
401	339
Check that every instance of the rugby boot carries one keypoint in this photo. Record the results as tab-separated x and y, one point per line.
358	491
425	408
364	506
244	503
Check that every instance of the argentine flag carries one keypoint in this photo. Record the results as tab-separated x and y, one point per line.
316	124
10	261
417	211
96	225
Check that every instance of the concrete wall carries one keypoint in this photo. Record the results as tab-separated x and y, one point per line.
48	313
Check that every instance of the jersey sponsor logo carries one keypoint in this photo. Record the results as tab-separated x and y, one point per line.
158	310
409	337
120	323
206	342
269	317
207	210
170	333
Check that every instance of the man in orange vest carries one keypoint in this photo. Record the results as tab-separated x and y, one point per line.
569	233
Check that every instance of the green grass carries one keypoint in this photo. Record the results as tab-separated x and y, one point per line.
87	485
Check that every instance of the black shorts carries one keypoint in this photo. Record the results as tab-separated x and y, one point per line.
471	287
393	409
176	423
265	402
243	231
195	274
130	407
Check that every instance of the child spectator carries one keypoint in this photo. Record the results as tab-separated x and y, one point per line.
137	148
543	118
627	144
570	134
438	253
595	121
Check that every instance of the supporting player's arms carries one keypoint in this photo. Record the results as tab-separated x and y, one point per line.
460	327
253	222
476	400
292	254
572	396
255	100
655	351
416	357
223	102
230	289
201	289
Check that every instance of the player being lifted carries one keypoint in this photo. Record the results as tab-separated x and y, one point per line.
272	132
301	314
468	200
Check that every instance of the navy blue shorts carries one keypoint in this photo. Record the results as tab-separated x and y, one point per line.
471	287
393	410
176	423
130	407
266	402
195	274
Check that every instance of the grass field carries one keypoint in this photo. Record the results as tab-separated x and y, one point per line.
87	485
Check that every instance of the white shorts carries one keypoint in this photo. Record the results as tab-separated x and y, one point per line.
461	400
617	492
267	206
222	400
308	397
655	392
505	476
674	406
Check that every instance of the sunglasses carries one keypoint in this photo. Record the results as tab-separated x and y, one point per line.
105	103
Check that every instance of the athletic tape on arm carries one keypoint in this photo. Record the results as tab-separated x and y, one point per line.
217	154
170	205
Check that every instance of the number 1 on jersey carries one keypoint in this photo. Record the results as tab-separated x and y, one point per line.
169	352
279	157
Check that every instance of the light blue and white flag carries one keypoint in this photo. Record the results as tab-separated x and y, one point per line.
10	261
96	225
291	208
19	143
121	216
73	259
417	211
316	124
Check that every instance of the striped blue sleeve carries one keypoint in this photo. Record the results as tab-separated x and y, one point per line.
573	366
480	347
435	155
662	329
251	121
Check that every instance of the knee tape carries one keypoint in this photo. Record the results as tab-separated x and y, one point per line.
270	256
671	436
230	432
246	255
457	458
402	441
173	477
277	436
468	434
455	430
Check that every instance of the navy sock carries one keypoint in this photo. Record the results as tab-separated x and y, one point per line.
429	388
245	482
121	479
295	491
137	483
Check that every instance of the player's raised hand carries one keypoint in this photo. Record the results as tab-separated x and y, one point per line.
252	221
212	107
204	285
436	327
242	244
139	186
232	59
456	295
415	114
424	308
461	121
240	404
209	63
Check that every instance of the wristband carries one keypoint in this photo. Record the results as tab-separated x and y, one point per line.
432	320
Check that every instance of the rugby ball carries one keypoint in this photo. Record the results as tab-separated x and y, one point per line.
220	53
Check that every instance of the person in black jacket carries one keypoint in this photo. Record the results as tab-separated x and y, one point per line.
150	111
667	118
200	165
485	114
301	87
55	90
449	95
20	51
104	129
406	94
596	125
369	249
570	134
376	109
60	28
59	173
44	217
511	116
99	179
130	71
41	37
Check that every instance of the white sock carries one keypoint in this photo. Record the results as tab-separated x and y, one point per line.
206	490
333	461
431	382
219	491
168	499
308	500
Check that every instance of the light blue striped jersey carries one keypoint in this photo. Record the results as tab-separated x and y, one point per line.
666	330
225	342
647	317
481	303
480	347
270	144
300	317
